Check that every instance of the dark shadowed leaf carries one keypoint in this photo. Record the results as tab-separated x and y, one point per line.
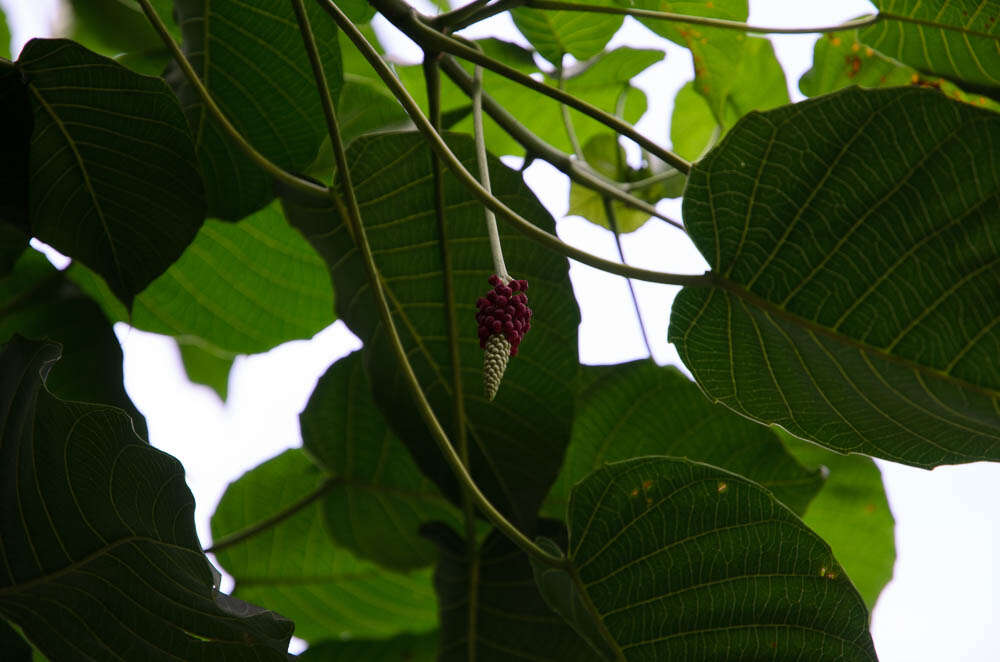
679	560
295	567
510	620
639	408
100	552
13	645
206	366
250	56
114	181
15	145
380	499
852	514
40	303
401	648
556	33
959	39
853	294
515	450
239	288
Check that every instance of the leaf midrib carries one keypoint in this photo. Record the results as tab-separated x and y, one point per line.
740	292
889	16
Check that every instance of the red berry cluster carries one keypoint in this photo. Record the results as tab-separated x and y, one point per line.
504	310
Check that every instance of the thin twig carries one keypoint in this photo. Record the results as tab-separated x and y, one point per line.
436	143
609	212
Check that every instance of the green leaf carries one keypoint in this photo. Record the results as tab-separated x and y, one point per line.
680	560
731	10
693	127
15	144
379	499
401	648
113	147
4	37
112	27
841	60
250	56
852	514
294	566
204	365
639	408
515	450
555	33
606	156
510	620
239	288
13	645
39	302
851	298
102	559
958	40
358	11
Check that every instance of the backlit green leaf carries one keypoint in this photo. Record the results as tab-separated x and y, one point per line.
680	560
114	180
555	33
250	56
295	567
606	156
514	450
639	408
401	648
380	499
959	39
100	555
206	366
852	293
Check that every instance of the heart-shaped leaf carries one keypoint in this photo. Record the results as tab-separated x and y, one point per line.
99	548
852	297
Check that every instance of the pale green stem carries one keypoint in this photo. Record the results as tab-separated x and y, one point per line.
484	176
436	143
696	20
259	159
567	120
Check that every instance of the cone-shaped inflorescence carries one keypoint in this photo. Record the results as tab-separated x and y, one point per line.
504	318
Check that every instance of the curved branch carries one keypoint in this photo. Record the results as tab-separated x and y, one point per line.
412	24
436	143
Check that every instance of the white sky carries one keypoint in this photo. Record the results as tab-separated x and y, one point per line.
944	601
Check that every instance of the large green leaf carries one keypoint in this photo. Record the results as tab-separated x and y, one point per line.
515	451
100	555
693	127
250	56
852	514
294	566
401	648
556	33
114	180
678	560
959	39
509	620
639	408
841	60
379	499
39	302
853	297
239	288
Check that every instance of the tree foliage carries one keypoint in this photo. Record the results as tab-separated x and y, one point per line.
236	175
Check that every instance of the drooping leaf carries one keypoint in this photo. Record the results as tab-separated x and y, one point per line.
509	621
101	558
514	450
401	648
379	499
851	294
841	60
295	567
40	303
639	408
678	560
114	180
958	40
206	366
239	288
557	33
250	56
852	514
606	156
